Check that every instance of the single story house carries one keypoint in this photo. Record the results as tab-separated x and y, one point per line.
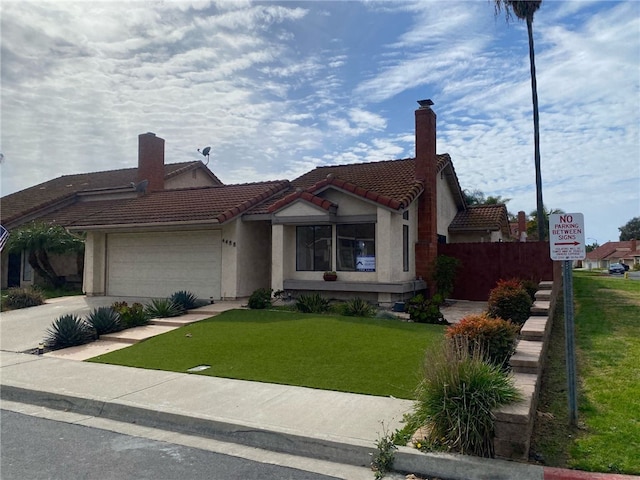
161	228
613	252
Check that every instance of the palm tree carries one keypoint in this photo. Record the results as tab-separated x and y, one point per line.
524	10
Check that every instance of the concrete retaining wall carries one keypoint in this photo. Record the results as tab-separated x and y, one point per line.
514	423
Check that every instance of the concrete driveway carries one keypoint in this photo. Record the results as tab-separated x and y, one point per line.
23	329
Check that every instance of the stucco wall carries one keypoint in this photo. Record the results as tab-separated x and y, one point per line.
94	264
447	208
194	178
253	257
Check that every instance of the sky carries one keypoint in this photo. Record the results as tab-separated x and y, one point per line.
278	88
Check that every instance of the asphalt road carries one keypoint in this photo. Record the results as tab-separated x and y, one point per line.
35	447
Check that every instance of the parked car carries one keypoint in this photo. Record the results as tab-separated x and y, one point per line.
617	268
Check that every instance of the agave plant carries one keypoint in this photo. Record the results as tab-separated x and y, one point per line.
162	308
104	320
184	300
68	331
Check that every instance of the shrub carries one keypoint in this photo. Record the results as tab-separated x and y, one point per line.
312	303
456	399
444	274
531	286
184	300
68	331
131	316
260	298
510	301
162	308
495	337
423	310
357	307
104	320
23	297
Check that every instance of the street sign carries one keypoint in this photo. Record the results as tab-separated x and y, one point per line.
566	236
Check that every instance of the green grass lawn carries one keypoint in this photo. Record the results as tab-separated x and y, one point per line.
360	355
607	330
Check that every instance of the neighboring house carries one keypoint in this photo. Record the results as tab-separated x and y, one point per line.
484	223
613	252
377	224
49	201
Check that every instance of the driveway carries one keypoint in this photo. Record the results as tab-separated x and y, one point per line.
23	329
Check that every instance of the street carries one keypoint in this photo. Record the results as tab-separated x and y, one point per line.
35	447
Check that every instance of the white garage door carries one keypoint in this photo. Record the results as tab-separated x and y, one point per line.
161	263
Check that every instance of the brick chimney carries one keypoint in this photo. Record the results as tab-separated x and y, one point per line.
425	172
522	227
151	160
634	245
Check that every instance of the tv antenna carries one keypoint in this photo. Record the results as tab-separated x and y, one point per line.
205	153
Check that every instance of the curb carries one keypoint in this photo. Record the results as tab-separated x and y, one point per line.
340	450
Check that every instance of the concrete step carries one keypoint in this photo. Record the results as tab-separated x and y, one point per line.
136	334
540	307
545	285
543	295
534	328
527	358
182	319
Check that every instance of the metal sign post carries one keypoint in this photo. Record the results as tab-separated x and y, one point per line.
566	241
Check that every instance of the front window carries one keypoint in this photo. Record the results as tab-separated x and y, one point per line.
357	247
313	248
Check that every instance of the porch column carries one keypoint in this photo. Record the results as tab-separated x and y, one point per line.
94	276
277	257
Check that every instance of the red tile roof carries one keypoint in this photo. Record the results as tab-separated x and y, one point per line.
481	217
49	193
390	183
613	251
191	205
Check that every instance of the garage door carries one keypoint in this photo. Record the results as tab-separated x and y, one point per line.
161	263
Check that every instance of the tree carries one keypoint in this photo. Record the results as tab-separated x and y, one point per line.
630	230
524	10
477	197
38	240
532	225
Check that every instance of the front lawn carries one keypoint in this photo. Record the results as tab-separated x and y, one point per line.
359	355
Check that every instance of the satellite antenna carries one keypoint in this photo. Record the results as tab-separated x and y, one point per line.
141	186
205	153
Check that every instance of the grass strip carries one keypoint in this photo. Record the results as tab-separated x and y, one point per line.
360	355
607	320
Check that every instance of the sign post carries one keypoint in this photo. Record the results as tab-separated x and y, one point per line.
566	241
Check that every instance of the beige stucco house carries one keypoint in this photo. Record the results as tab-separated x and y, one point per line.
162	228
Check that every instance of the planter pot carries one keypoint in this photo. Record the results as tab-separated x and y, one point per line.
330	278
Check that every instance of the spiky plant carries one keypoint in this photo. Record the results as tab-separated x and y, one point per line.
104	320
162	308
184	300
68	331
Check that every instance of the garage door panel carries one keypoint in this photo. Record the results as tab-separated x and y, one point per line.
159	264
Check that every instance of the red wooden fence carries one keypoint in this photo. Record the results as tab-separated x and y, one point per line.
483	264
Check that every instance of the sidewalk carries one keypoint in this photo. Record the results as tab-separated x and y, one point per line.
335	426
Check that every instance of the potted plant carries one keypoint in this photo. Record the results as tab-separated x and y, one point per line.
330	276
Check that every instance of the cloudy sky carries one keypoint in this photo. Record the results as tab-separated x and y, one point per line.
277	88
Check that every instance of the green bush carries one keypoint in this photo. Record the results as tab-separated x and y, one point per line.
260	298
104	320
162	308
131	315
312	303
494	336
357	307
68	331
445	270
23	297
184	300
457	397
531	286
423	310
509	300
